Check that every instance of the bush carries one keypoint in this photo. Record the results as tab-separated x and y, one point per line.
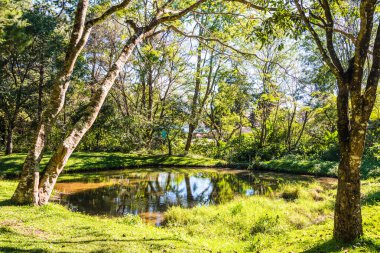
290	193
331	153
264	224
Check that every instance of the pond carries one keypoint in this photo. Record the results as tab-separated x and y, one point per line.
150	192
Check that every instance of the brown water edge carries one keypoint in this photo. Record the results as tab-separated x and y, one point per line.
149	192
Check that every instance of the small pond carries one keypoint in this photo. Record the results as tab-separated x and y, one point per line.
150	192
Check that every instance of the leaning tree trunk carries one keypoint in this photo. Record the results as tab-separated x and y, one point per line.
30	171
65	149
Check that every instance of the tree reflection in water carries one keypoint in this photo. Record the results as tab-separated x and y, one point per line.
149	194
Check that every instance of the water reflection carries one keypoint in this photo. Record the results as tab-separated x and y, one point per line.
149	193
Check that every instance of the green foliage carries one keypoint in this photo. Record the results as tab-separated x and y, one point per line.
11	15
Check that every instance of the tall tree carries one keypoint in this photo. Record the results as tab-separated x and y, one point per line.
357	84
26	53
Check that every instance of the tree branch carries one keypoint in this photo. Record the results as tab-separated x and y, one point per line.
329	36
180	13
108	13
252	5
317	40
369	95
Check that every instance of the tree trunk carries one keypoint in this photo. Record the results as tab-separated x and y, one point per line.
40	92
65	149
150	94
306	118
194	106
263	132
9	145
288	139
189	137
274	131
170	151
348	218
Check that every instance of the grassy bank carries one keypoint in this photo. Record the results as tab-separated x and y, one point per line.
11	165
298	218
314	167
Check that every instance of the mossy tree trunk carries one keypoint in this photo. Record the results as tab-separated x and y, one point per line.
348	219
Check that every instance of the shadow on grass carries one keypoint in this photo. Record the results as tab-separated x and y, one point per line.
371	198
7	202
14	249
328	246
63	242
118	240
335	246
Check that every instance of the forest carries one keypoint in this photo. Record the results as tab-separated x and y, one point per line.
189	126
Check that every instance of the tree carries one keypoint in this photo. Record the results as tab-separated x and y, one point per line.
356	95
10	14
27	52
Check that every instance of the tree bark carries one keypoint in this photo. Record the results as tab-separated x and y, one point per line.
189	137
348	218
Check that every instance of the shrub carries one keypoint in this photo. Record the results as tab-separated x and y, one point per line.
290	192
264	224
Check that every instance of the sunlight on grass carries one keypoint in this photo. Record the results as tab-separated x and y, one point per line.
258	224
91	161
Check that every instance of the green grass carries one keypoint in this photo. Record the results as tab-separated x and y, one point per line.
314	167
255	224
91	161
10	166
300	166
